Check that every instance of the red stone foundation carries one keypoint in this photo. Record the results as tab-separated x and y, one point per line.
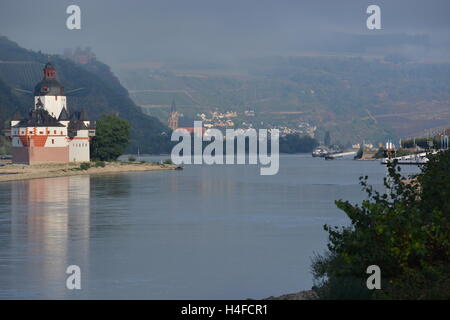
20	155
33	155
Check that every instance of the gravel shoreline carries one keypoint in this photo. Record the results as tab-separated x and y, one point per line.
12	172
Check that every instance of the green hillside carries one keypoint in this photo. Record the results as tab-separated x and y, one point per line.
356	98
101	93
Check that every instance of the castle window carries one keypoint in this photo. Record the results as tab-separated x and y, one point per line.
54	131
53	141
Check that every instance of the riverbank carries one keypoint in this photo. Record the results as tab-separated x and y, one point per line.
12	172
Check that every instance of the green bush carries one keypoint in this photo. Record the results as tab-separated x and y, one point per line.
85	166
404	231
131	159
5	145
100	164
381	153
167	161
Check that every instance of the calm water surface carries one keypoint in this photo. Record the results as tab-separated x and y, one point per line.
207	232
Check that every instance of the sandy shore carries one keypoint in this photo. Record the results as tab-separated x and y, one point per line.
11	172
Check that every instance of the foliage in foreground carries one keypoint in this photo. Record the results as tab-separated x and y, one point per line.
111	138
404	231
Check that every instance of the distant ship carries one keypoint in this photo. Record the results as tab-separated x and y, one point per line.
419	158
323	151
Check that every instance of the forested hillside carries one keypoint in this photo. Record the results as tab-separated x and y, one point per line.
101	92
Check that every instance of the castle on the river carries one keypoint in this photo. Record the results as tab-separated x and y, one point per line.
50	133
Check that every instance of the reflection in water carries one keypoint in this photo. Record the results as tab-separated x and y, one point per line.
47	215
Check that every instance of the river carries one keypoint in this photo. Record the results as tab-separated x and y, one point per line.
206	232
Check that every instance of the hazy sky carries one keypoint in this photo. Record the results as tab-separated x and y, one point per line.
139	30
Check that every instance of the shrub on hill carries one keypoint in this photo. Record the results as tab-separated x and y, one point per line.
404	231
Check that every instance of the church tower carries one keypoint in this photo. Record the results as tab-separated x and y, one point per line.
173	116
49	93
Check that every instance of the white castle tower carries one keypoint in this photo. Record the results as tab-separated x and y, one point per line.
50	92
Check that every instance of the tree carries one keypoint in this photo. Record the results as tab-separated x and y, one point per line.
5	145
111	138
403	231
327	139
294	143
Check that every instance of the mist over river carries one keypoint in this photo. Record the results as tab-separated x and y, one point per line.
206	232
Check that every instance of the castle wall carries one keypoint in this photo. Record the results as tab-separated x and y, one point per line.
20	155
79	149
43	154
49	144
33	155
39	137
